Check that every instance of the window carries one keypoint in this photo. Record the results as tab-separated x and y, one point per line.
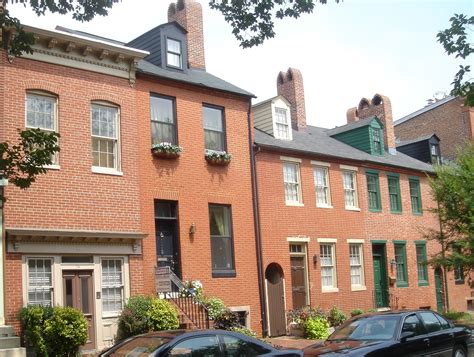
197	346
173	53
415	195
350	189
401	260
376	138
421	263
445	325
430	321
105	136
394	194
40	282
222	251
236	347
373	192
163	121
413	324
112	286
214	128
435	159
291	178
321	186
458	268
328	266
41	112
281	123
296	248
356	264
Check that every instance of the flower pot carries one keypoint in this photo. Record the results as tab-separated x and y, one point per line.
168	155
218	161
296	330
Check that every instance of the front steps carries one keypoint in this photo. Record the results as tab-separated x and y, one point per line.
10	343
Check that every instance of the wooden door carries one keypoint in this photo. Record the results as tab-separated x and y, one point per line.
380	280
276	300
439	290
79	293
298	281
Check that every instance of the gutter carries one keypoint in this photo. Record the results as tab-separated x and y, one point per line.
256	219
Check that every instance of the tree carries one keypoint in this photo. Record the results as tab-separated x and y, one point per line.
453	189
455	41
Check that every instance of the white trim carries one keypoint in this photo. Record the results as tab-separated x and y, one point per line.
320	163
330	290
362	241
292	159
327	240
324	206
52	167
358	288
294	204
298	239
356	209
243	308
106	171
72	248
350	168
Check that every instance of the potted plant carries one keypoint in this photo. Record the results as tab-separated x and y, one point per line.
221	158
166	150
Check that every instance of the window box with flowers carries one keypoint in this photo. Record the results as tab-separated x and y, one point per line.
220	158
166	150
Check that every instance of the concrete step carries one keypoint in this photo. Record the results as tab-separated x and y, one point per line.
9	342
6	331
13	352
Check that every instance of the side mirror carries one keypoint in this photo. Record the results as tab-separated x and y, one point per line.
405	335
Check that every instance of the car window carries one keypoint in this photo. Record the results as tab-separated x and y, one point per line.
236	347
140	346
412	324
368	328
204	346
444	323
432	324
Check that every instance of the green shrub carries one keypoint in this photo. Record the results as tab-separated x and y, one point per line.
33	319
372	310
316	328
356	312
227	320
299	316
244	330
336	317
214	306
133	320
162	316
455	315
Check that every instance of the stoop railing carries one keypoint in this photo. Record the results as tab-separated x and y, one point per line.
172	288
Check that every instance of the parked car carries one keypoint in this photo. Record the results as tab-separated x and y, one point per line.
397	333
197	343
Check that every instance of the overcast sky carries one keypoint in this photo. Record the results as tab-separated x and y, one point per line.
345	51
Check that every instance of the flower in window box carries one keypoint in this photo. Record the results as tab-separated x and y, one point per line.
166	150
217	157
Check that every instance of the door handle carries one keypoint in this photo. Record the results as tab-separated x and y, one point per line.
426	341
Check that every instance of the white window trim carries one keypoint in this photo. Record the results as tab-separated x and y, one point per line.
107	314
327	240
320	163
326	171
106	171
358	287
356	198
291	159
332	243
298	203
288	119
355	241
26	276
298	239
348	168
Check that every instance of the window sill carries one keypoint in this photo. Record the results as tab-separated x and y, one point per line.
355	209
359	288
52	167
417	213
402	285
106	171
224	274
423	283
458	282
330	290
396	212
375	210
324	206
294	204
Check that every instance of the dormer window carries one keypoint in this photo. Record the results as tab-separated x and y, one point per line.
281	124
174	56
377	142
435	154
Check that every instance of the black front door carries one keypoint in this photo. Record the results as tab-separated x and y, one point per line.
166	227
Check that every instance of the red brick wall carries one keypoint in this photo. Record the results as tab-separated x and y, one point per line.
193	183
290	85
451	122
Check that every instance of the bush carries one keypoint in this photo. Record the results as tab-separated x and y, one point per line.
372	310
227	320
214	306
336	317
244	330
162	316
454	315
58	331
356	312
299	316
316	328
133	320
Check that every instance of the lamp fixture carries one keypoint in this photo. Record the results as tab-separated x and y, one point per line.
192	229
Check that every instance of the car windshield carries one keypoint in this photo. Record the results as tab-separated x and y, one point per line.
381	327
140	346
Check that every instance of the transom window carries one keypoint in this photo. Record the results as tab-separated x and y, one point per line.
105	136
112	286
222	250
321	185
291	177
421	262
356	265
328	266
401	260
163	121
350	189
373	191
174	56
40	282
296	248
415	195
281	123
394	194
214	128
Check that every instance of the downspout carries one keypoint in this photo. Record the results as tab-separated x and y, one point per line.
256	221
443	253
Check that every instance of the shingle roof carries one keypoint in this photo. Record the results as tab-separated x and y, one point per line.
424	110
415	140
316	141
350	126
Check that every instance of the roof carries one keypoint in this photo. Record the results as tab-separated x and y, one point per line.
91	36
351	126
317	141
192	76
416	140
424	110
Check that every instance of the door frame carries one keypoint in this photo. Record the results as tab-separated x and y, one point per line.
268	301
304	254
438	272
381	251
176	235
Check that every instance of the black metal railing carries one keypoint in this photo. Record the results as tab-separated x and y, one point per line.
184	298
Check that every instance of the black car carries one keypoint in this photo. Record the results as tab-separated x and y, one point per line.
397	333
198	343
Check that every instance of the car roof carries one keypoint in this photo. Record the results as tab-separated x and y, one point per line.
394	313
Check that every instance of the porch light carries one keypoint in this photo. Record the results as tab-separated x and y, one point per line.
192	229
393	264
315	259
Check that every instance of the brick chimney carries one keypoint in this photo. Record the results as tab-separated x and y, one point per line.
188	13
290	85
381	107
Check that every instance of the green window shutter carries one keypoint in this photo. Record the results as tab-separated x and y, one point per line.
394	194
421	262
373	192
401	260
415	195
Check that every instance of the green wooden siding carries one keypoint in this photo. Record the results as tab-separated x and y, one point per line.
362	138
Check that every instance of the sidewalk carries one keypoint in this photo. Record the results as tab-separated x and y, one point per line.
291	342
